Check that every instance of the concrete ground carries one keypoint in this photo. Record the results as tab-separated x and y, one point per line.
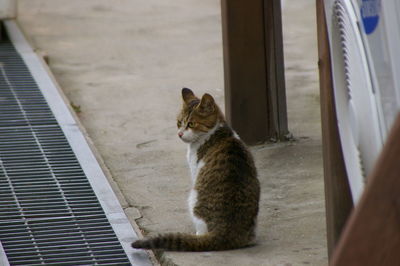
123	63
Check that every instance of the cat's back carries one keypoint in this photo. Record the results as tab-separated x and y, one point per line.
227	185
228	165
226	154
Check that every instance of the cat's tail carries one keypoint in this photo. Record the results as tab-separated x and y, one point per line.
185	242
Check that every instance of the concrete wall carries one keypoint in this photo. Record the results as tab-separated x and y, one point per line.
8	9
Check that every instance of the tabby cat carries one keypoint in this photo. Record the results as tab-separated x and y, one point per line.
223	201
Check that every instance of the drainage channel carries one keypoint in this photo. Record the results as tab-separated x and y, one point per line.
56	205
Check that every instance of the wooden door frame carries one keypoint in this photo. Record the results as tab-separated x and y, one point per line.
338	200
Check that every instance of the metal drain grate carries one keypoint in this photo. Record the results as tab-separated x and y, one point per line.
49	214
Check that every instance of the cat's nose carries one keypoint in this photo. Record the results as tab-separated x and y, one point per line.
180	134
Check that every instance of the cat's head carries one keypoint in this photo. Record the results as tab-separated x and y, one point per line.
197	117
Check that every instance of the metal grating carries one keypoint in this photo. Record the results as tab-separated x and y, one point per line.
49	214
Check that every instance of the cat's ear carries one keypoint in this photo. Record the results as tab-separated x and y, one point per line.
188	95
206	105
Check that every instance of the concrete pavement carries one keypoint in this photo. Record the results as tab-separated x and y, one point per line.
124	63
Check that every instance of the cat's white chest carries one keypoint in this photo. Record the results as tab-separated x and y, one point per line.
194	164
195	167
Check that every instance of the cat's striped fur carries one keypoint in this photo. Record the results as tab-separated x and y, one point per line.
224	198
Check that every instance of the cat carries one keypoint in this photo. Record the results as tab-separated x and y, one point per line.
224	198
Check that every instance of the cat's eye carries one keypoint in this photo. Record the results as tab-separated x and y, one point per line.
191	124
179	124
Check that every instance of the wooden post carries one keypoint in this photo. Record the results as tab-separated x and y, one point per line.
254	70
278	125
338	201
372	235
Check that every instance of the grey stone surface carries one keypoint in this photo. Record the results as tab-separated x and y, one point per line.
124	63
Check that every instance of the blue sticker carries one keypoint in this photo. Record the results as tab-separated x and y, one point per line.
370	11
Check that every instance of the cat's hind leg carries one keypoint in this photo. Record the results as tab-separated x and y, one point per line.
201	226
